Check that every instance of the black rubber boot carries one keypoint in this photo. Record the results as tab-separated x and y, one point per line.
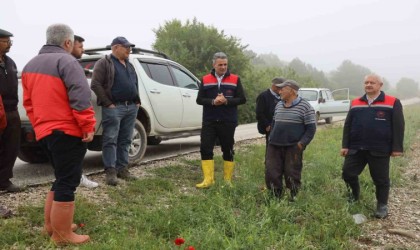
354	191
381	211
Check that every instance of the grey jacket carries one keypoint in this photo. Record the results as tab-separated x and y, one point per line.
103	79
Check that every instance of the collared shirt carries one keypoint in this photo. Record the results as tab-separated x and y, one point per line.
125	82
219	79
277	96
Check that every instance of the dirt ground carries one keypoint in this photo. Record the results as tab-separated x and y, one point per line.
400	230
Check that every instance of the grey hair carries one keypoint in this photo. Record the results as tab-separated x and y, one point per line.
377	77
219	55
58	33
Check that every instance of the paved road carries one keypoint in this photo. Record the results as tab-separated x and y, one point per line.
32	174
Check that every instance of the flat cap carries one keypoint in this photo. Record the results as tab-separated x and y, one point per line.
4	33
277	80
121	40
290	83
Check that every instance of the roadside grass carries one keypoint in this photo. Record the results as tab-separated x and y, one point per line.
152	212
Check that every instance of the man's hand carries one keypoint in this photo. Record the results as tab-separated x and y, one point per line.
394	154
220	100
344	151
88	137
300	146
111	106
268	128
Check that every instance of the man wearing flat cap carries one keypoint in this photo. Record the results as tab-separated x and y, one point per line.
293	128
10	138
266	102
115	84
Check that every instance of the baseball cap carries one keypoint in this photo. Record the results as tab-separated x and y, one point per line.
293	84
121	40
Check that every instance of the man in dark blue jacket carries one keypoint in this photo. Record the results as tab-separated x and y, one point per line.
373	131
10	138
266	102
220	93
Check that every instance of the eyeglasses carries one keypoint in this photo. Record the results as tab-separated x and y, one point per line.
9	42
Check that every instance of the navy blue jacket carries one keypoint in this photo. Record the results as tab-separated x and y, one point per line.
266	102
231	88
378	127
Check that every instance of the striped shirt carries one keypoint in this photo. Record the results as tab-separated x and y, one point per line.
293	124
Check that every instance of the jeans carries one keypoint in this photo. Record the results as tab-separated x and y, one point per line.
118	126
66	155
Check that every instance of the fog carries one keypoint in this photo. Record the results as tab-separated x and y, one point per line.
381	35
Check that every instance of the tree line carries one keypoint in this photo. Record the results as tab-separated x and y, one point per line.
193	44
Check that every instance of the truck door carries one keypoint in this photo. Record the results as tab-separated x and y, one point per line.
332	107
188	88
165	98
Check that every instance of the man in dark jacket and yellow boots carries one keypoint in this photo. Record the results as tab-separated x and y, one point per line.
56	97
220	93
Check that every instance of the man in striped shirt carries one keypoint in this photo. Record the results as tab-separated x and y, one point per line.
293	128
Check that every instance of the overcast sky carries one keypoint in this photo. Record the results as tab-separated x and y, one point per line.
382	35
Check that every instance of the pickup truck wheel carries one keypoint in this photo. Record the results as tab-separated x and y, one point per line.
32	155
138	143
317	116
154	140
328	120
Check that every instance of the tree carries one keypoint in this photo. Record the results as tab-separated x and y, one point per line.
350	75
307	70
407	88
193	44
267	60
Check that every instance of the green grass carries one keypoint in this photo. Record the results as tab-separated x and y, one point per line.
151	212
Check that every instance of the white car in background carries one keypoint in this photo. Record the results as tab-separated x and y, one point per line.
168	93
327	103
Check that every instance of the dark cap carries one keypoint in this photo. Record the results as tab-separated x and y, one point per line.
4	33
277	80
294	85
121	40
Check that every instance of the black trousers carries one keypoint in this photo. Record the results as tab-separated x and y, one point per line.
9	147
378	162
283	161
66	155
225	132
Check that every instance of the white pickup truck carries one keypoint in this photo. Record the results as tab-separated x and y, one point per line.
168	93
327	103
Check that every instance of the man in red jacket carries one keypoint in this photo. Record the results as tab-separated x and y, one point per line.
56	97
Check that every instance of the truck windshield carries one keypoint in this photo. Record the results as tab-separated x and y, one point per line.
308	95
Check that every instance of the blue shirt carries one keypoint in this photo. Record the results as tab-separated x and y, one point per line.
125	82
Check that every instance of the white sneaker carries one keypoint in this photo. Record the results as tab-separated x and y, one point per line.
85	182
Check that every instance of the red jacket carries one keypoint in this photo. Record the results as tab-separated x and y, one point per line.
56	94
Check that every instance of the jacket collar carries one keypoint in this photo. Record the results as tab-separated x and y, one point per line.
213	72
381	97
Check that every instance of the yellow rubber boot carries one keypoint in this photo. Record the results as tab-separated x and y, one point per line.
228	167
208	172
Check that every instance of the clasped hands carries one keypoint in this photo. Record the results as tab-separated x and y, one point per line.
220	100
